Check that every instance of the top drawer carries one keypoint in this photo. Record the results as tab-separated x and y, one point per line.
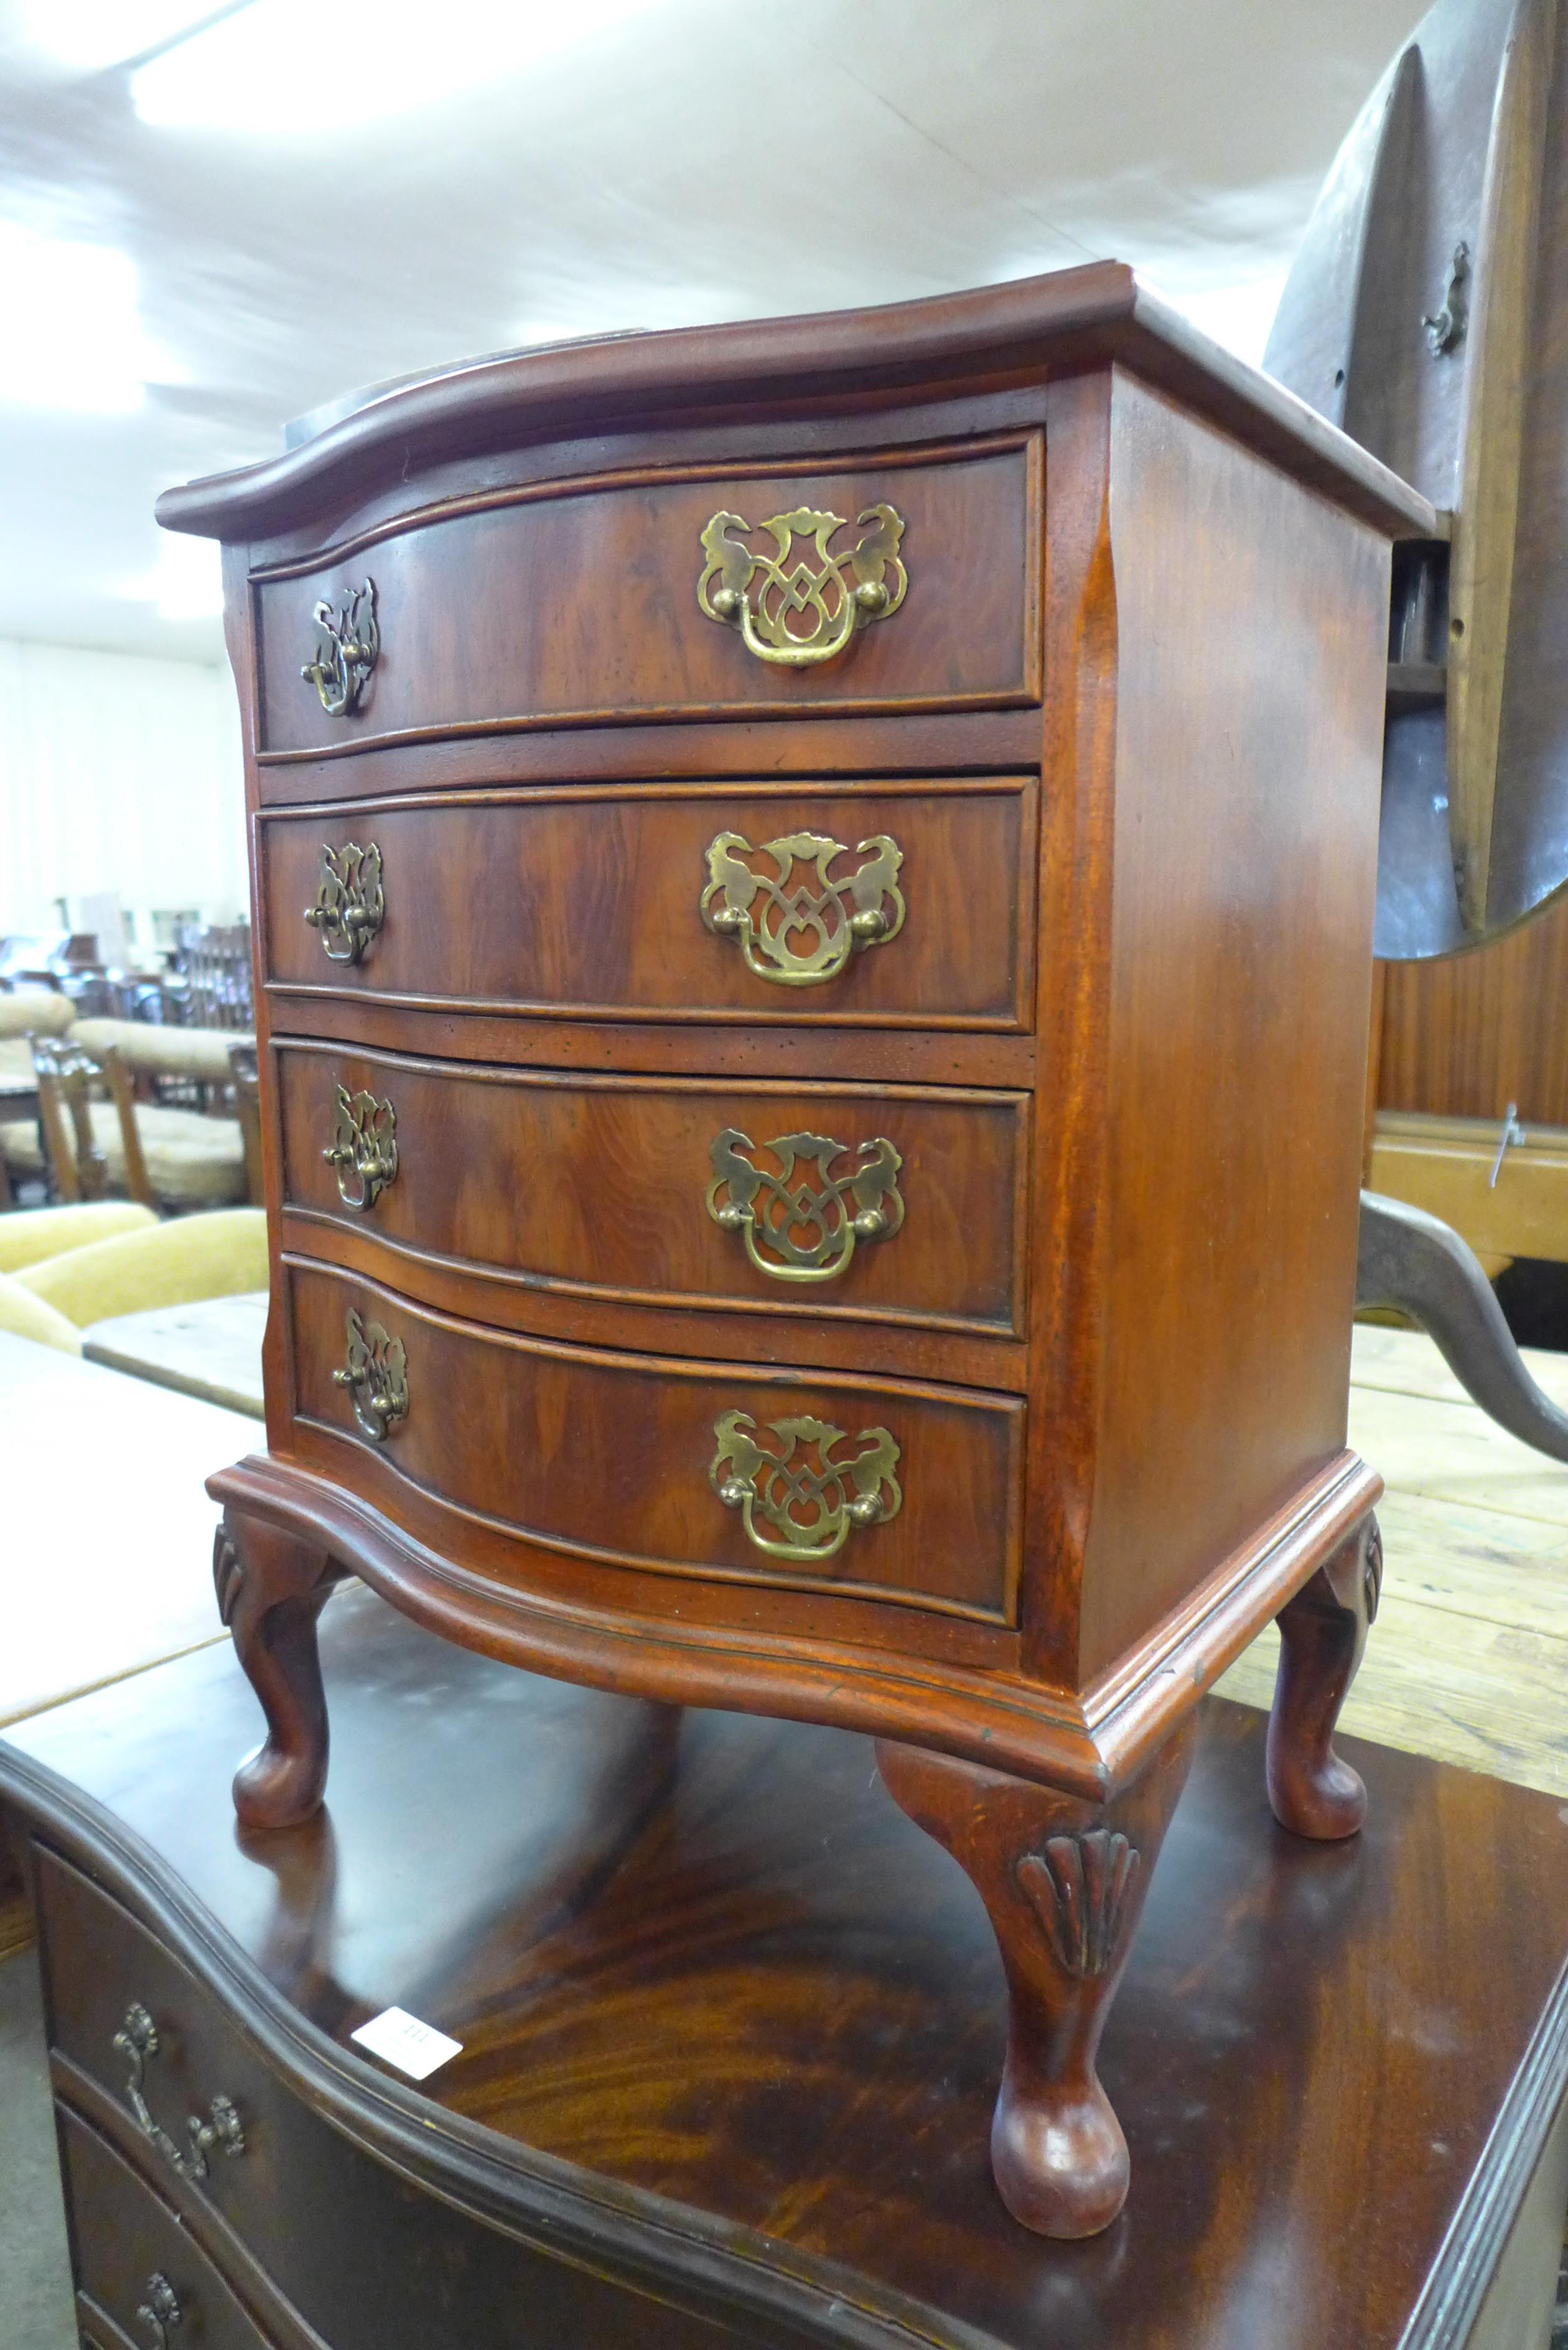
674	595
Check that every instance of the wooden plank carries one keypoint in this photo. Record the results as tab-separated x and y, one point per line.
1452	1452
1405	1362
1489	1698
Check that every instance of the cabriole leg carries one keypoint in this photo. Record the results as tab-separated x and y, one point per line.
271	1588
1323	1632
1063	1884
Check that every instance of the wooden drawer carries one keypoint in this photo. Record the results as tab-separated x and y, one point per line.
132	2255
620	1459
577	602
586	903
614	1186
306	2224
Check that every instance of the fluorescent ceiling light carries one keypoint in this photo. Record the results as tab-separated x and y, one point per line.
187	582
264	71
72	337
90	35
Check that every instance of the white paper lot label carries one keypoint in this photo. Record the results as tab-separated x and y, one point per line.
401	2039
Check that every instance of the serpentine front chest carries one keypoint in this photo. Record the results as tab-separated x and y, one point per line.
813	898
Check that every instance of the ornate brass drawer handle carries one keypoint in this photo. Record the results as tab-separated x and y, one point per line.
349	643
805	612
809	1499
350	905
222	2132
832	919
363	1151
376	1376
802	1222
160	2309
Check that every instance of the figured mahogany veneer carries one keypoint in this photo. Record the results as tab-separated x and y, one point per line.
596	1186
514	651
1099	713
586	903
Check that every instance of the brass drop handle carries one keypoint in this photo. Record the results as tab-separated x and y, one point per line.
802	932
376	1374
797	609
802	1217
363	1151
350	903
222	2131
349	644
799	1487
160	2309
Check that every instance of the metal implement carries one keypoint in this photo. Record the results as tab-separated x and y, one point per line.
802	933
802	612
351	904
363	1151
222	2132
1512	1133
160	2309
800	1221
1414	1262
806	1497
377	1376
349	644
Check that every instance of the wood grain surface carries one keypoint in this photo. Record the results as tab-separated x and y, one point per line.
705	1959
1468	1659
586	903
483	624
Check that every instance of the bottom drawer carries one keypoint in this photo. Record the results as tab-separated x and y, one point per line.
140	2277
882	1489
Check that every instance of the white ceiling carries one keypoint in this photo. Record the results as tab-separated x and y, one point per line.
704	159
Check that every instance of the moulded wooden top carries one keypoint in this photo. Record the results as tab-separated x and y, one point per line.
994	335
732	2020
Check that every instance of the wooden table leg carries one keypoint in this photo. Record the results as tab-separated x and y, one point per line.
271	1588
1064	1882
1322	1635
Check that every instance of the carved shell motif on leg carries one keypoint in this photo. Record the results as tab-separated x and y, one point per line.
1078	1887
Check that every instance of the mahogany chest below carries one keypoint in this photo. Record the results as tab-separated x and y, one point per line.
813	898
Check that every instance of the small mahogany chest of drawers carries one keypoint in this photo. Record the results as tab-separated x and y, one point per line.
813	900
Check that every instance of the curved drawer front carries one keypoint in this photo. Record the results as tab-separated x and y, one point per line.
628	906
889	1489
138	2265
305	2219
671	596
673	1190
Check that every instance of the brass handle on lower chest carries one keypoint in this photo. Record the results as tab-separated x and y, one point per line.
160	2309
800	1487
376	1375
802	1221
799	603
800	933
350	903
222	2131
349	644
363	1151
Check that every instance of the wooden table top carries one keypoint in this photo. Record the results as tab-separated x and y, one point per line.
106	1534
704	1959
211	1349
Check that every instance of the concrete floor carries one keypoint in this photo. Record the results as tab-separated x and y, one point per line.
35	2266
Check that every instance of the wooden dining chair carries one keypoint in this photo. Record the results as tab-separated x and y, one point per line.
78	1164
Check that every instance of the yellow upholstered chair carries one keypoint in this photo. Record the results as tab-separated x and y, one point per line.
34	1234
222	1254
173	1158
24	1315
30	1012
